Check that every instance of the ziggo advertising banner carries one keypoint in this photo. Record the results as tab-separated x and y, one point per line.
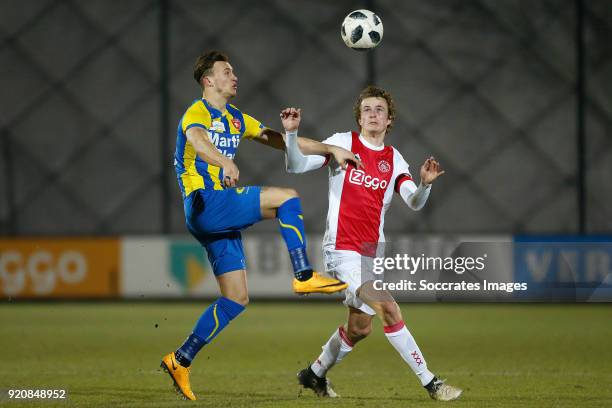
426	268
64	268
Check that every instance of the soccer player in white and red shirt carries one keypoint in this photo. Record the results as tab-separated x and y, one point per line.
359	196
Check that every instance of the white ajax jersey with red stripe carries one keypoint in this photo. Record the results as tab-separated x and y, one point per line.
359	198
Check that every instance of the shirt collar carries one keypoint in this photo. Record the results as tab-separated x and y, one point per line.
370	145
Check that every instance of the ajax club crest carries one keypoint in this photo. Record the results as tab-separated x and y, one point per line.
384	166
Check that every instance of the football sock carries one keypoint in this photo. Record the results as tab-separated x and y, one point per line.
431	386
291	222
187	352
334	351
400	338
209	325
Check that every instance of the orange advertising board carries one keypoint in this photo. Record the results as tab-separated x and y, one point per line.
66	268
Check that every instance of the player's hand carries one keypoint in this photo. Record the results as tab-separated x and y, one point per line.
230	173
343	157
430	170
290	117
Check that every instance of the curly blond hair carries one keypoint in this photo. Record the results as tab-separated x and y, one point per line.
372	91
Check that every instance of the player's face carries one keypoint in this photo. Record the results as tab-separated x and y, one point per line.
224	79
374	115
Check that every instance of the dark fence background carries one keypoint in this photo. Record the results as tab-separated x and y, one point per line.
514	97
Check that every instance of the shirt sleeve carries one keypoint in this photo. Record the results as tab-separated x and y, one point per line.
196	116
343	140
252	127
415	197
403	175
296	161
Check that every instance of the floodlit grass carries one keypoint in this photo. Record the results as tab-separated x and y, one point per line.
508	355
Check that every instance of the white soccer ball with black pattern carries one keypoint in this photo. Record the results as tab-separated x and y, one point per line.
362	30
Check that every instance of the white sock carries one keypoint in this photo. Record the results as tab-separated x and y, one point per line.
334	351
400	338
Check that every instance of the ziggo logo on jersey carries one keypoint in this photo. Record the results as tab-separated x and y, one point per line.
360	178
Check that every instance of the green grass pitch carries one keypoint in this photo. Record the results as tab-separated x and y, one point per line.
505	355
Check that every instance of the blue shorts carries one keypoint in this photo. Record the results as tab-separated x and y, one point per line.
215	218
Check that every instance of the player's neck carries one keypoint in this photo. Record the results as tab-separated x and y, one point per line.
376	139
215	100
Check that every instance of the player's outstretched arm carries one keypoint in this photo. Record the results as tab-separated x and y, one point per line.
275	139
295	160
306	154
308	150
209	153
416	197
272	138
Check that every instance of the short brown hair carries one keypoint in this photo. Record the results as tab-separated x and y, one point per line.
204	64
372	91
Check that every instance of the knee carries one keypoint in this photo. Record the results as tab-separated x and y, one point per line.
356	333
275	197
243	300
240	298
287	194
390	312
290	193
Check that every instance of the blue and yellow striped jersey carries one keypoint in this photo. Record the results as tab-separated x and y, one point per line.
225	129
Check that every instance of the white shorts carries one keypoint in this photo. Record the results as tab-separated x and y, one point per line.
350	267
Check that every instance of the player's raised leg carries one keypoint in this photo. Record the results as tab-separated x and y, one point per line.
402	340
341	342
284	204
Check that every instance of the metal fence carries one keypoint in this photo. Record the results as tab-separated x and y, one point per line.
514	97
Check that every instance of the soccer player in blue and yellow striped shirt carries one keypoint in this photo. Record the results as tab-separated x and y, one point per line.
216	209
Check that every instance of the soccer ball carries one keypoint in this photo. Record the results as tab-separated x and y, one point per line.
362	30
